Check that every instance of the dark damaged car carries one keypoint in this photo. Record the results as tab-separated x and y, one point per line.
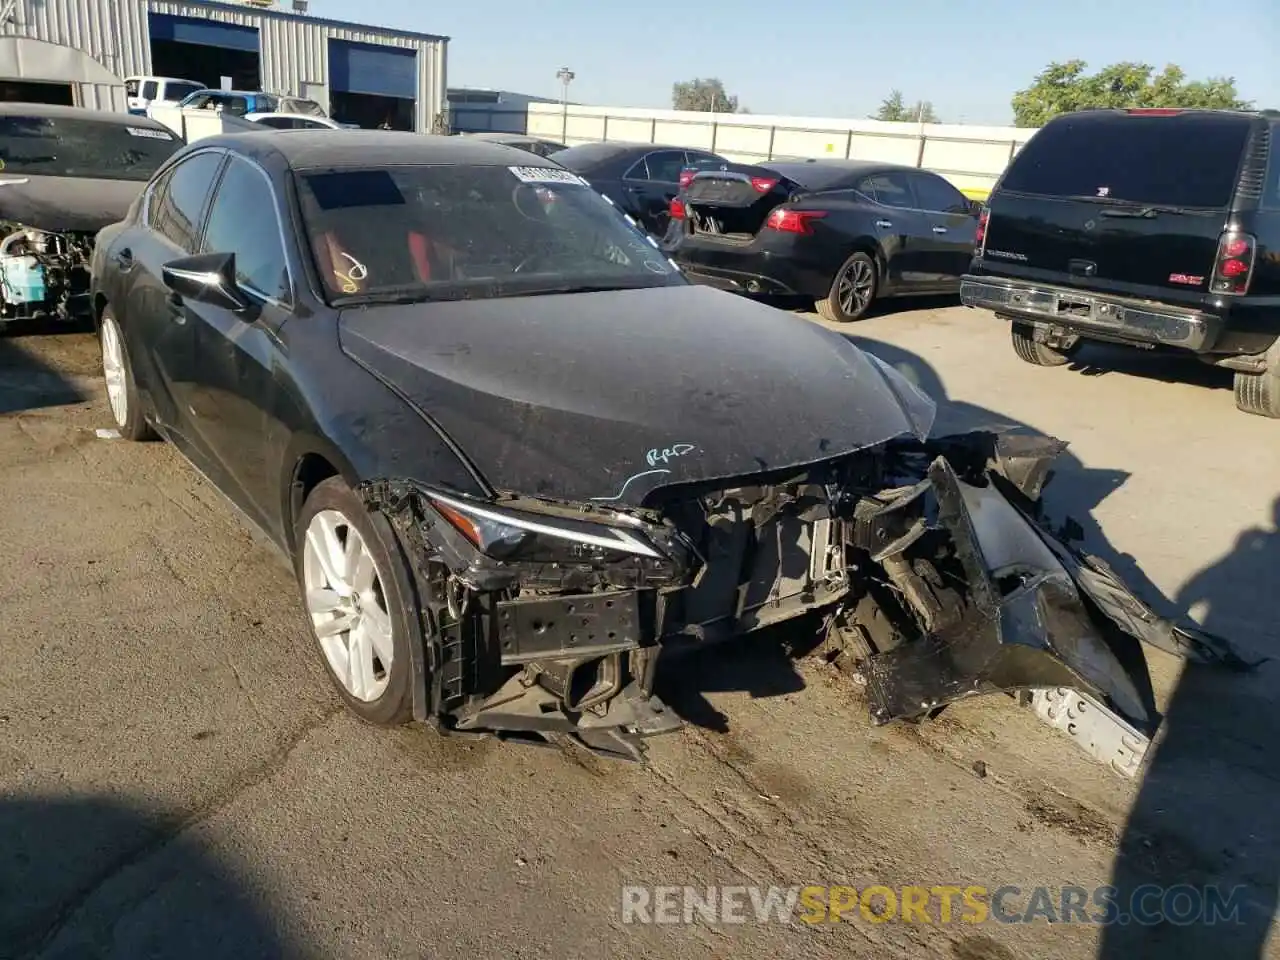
480	412
65	173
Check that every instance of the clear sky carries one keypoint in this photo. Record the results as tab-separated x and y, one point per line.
832	57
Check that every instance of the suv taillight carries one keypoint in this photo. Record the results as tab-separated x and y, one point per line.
980	234
1234	266
792	221
676	210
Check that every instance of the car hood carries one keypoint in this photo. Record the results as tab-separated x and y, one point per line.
62	204
606	396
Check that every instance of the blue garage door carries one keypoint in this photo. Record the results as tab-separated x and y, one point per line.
206	33
368	68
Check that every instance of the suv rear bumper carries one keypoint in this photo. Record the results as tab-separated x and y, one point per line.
1103	315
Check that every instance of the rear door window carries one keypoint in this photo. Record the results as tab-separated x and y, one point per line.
1189	160
892	188
149	90
665	165
935	194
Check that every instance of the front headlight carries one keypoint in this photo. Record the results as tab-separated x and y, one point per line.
537	538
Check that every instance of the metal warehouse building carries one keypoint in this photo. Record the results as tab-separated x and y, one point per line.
361	74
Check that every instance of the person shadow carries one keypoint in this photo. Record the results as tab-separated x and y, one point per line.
91	876
1205	815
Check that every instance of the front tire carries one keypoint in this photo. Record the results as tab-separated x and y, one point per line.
345	559
122	390
1032	351
852	291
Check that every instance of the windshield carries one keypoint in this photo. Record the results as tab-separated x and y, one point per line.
98	149
463	232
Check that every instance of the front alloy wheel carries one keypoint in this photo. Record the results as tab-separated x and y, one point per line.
348	606
352	592
122	392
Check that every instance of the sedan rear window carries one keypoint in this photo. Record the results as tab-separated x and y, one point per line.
66	147
1187	160
454	232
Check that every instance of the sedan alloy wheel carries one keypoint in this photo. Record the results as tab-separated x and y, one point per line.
347	603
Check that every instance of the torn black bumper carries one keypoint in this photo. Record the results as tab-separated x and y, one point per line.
937	577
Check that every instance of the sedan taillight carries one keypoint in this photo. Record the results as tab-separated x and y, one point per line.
793	221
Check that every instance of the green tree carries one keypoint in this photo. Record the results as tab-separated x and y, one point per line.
1064	87
894	108
707	96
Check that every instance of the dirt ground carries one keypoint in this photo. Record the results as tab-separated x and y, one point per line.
177	779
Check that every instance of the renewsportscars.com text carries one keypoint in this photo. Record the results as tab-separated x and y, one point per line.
1181	904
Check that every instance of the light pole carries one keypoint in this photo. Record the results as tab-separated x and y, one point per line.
565	76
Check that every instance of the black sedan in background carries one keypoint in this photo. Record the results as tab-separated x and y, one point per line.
843	233
641	179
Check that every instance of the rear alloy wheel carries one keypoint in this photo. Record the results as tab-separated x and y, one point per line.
852	292
1032	351
344	561
122	392
1258	393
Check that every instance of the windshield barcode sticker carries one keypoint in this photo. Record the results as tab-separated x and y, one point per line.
149	134
546	175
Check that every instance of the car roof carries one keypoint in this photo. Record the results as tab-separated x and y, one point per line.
57	111
362	149
595	156
500	137
821	174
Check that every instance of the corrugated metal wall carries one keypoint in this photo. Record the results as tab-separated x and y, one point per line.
295	49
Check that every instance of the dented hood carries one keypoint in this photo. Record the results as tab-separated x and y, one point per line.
65	204
605	396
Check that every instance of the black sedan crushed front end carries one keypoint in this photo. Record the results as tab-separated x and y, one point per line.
936	577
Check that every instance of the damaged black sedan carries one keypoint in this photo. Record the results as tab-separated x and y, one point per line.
517	458
65	173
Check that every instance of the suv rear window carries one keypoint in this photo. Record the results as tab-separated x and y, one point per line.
1188	160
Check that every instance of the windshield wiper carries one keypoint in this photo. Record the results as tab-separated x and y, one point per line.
1142	213
568	288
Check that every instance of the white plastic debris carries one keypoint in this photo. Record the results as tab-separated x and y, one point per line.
107	434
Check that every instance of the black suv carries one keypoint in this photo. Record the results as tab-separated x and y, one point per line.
1148	227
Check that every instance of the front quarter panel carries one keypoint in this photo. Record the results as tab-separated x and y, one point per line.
328	405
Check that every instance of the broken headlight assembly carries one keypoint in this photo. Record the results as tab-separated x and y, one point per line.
521	536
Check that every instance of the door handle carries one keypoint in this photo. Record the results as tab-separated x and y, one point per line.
884	224
939	229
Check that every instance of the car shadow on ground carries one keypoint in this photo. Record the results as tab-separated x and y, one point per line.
1100	359
1205	812
28	382
91	876
1205	822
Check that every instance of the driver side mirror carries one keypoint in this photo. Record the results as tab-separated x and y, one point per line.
207	278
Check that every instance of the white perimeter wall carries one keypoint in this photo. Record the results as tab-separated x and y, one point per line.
971	157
